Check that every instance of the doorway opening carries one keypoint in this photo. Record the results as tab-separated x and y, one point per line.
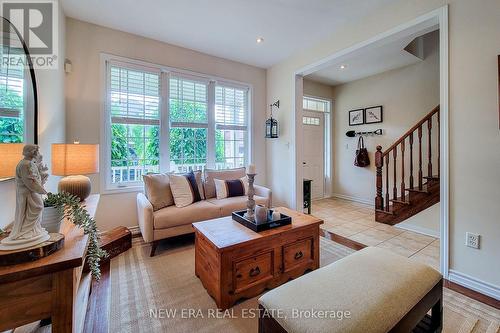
437	22
317	134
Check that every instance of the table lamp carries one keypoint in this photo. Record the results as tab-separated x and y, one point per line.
10	155
74	161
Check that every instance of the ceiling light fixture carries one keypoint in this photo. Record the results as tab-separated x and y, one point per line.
260	40
343	66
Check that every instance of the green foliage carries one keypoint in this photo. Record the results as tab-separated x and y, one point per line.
188	145
11	129
70	207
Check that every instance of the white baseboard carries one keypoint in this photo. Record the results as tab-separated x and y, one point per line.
470	282
355	199
418	229
134	230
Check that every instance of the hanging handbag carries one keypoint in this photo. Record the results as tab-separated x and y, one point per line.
362	159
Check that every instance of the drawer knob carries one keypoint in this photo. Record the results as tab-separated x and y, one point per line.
254	271
298	255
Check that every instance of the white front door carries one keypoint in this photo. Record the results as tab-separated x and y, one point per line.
314	151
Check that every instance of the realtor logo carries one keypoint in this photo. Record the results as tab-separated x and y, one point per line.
36	22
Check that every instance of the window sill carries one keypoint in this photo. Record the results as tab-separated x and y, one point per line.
126	189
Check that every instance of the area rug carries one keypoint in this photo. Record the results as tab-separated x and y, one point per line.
162	294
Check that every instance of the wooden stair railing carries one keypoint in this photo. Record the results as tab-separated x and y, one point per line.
382	159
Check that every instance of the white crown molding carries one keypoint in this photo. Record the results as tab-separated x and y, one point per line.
470	282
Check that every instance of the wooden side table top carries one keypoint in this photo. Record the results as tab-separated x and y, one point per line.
71	255
225	233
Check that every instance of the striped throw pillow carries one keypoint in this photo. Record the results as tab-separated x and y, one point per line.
231	188
186	188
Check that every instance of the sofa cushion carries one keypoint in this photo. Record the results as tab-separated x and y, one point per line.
174	216
230	188
157	190
229	205
186	188
226	174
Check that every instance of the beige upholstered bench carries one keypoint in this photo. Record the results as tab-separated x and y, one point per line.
370	291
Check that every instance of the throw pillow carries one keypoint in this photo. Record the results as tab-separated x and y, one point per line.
186	188
157	190
230	188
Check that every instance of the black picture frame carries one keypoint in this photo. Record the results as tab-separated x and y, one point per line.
379	113
353	118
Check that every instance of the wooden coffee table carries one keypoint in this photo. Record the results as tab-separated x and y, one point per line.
234	262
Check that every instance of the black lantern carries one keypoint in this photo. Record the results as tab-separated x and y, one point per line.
272	124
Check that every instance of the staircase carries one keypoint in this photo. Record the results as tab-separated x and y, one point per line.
401	176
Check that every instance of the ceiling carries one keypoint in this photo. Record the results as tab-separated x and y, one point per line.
227	28
372	60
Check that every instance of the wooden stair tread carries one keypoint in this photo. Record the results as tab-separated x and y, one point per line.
390	211
400	201
415	189
434	177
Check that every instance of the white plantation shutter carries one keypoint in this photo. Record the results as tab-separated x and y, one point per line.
230	108
134	110
231	114
11	82
188	102
135	96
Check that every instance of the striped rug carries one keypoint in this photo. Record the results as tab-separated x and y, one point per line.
162	294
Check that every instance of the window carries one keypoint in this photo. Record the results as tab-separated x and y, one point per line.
310	121
316	104
160	120
188	104
135	121
12	101
231	129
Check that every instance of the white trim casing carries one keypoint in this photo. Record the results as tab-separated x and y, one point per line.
355	199
418	229
470	282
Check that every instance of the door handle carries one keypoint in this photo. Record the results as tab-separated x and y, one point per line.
304	163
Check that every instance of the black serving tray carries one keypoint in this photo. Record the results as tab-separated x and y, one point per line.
239	216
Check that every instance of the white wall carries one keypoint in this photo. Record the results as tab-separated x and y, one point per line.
86	41
474	31
52	123
407	94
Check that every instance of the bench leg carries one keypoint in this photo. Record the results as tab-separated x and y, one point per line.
154	244
437	316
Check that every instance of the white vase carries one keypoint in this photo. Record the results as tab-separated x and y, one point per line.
51	219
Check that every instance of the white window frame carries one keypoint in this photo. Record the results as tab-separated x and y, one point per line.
165	73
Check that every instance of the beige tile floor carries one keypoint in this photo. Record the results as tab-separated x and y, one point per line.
356	221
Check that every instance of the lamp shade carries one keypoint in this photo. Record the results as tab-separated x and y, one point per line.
74	159
10	155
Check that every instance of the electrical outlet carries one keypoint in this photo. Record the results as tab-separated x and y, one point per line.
472	240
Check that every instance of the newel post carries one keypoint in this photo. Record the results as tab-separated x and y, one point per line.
379	163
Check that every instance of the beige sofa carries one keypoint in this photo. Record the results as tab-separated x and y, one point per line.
173	221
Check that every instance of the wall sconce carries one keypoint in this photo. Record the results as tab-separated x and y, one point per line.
272	130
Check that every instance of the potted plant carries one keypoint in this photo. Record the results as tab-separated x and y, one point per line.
69	206
52	216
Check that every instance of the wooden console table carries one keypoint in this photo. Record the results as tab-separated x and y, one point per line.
52	287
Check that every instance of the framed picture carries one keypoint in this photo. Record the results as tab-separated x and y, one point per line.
356	117
374	115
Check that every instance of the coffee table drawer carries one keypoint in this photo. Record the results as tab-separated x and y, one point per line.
297	254
251	271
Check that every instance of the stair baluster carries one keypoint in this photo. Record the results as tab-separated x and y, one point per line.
420	176
395	186
411	159
403	186
379	163
429	152
387	182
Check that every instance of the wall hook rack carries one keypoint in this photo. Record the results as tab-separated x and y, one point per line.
352	134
